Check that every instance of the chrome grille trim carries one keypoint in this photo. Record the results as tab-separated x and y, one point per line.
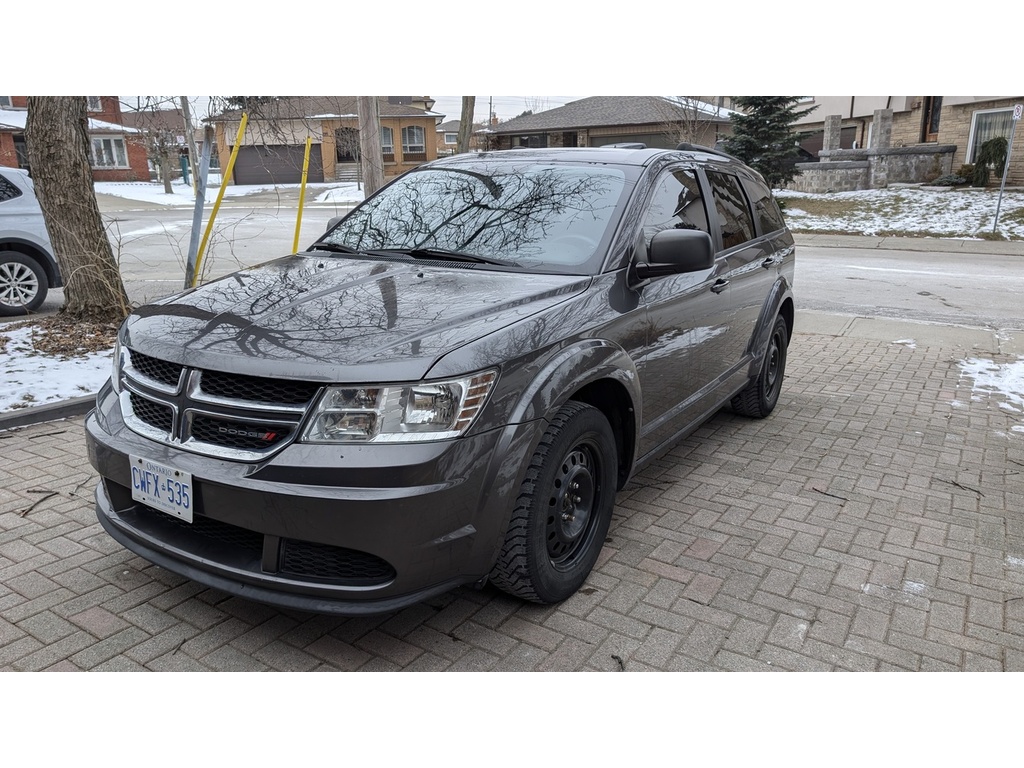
187	402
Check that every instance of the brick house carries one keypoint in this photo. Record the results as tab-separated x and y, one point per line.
448	137
656	121
961	123
116	150
273	146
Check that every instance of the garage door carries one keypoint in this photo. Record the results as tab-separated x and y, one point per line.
277	165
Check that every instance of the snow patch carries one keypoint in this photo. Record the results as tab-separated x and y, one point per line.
1006	379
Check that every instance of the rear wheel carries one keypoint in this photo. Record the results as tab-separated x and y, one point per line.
761	395
563	510
22	284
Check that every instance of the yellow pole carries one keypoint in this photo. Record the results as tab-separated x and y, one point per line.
220	195
302	193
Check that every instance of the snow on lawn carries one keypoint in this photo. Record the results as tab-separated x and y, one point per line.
33	378
961	213
182	194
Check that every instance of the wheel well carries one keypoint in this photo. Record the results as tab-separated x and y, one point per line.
33	253
612	399
786	312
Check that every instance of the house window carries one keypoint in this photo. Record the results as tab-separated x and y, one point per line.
987	124
95	103
451	138
5	101
387	141
109	152
413	142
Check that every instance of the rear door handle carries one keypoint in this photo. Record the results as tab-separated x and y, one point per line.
719	286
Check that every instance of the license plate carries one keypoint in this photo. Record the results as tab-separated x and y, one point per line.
165	488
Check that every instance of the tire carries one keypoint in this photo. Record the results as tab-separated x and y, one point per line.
23	284
760	396
564	508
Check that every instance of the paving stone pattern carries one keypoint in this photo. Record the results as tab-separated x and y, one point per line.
874	522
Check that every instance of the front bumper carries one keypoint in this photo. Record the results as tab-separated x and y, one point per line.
349	530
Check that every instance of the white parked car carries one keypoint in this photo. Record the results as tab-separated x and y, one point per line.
28	268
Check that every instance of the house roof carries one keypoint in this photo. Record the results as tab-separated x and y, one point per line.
155	119
605	111
320	107
14	120
452	126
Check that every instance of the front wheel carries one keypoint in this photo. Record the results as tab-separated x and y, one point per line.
761	394
563	510
22	284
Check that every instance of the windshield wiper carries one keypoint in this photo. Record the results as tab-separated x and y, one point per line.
448	255
333	247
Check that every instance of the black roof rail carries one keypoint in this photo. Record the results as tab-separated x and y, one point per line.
687	147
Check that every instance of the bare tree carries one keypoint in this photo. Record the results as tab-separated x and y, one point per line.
694	119
58	147
466	124
371	158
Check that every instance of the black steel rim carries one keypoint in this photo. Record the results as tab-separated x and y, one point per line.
571	505
774	365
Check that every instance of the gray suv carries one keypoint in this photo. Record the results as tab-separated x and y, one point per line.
27	266
450	386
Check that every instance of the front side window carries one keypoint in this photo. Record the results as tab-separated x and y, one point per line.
412	140
676	204
109	152
986	125
548	218
734	219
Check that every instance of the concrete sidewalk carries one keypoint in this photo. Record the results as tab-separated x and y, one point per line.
873	522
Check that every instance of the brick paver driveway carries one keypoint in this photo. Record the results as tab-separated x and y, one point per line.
874	522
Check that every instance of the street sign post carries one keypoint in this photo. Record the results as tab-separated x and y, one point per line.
1018	111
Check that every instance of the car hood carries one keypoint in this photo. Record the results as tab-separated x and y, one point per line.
339	319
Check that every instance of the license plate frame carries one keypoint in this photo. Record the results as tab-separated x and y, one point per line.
162	487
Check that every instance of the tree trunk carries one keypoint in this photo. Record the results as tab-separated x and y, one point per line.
466	124
165	171
58	147
370	157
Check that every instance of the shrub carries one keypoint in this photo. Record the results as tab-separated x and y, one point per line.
992	152
949	180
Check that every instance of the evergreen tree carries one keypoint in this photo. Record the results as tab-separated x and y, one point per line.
763	137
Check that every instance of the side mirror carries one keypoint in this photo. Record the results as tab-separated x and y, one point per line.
334	222
677	251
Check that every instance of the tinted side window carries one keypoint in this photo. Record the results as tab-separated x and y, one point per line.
676	204
766	210
733	210
7	190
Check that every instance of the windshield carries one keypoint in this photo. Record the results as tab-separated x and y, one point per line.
544	217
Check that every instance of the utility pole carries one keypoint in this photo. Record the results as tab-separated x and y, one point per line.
190	139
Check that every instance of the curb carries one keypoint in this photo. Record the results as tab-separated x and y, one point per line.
23	417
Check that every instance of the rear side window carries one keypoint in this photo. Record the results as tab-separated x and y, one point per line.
676	204
766	210
734	219
7	190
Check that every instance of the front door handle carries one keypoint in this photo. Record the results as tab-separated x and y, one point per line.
719	286
770	262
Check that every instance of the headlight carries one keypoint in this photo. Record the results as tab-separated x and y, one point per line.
436	410
115	372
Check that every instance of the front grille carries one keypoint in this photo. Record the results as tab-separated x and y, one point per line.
154	414
231	416
242	539
257	389
237	434
159	370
